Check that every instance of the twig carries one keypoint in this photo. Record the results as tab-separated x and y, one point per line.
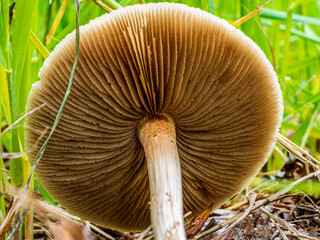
149	238
144	233
316	208
257	205
237	205
286	225
216	227
98	230
252	198
279	229
22	201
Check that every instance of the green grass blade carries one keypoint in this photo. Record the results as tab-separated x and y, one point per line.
44	193
2	173
296	18
286	47
309	125
294	31
302	187
127	2
303	34
38	44
4	100
4	34
210	2
90	10
303	63
56	21
3	183
21	29
39	155
112	4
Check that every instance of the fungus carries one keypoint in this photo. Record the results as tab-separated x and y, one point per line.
170	106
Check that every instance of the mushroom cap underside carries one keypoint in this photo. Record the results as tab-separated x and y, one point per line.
144	61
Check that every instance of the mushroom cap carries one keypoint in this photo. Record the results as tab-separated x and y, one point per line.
143	61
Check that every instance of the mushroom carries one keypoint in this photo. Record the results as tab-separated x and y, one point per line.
171	109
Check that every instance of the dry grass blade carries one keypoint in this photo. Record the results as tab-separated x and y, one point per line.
61	214
102	233
67	230
250	15
13	210
144	233
257	205
286	225
247	17
283	235
12	155
102	6
297	151
63	228
60	226
56	21
218	226
20	119
252	198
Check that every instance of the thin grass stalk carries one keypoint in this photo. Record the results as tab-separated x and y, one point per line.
5	101
210	3
28	223
56	21
286	47
310	125
6	46
21	29
48	17
2	202
6	57
247	17
112	4
280	15
102	6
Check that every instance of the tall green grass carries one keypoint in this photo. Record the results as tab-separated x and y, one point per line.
287	31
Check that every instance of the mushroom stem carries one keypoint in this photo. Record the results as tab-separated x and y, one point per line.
159	141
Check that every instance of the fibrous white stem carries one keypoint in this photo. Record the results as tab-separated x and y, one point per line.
159	141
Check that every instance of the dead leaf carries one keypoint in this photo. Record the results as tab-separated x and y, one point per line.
68	230
197	223
14	207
